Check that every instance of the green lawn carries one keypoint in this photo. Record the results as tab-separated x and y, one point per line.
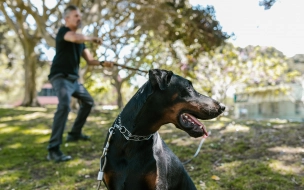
239	155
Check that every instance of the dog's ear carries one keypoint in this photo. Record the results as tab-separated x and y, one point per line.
160	78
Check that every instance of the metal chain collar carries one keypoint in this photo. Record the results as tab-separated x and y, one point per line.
127	134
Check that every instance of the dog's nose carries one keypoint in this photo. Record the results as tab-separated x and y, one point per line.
222	107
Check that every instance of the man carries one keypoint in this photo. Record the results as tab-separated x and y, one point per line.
63	76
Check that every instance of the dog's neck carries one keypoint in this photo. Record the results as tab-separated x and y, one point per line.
138	116
139	125
127	134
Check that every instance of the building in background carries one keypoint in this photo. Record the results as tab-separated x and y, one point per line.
281	101
47	95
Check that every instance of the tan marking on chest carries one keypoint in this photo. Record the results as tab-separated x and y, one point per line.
150	179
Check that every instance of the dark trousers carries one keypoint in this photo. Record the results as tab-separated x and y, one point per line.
65	89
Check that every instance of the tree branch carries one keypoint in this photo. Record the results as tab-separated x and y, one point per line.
40	22
52	11
9	21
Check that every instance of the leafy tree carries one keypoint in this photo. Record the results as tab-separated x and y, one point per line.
243	68
137	39
267	4
112	21
10	64
172	21
217	71
297	63
33	23
267	65
19	15
122	24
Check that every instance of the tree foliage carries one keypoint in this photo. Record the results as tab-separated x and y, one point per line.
219	70
228	67
128	39
140	40
122	43
142	34
10	65
267	4
171	21
30	26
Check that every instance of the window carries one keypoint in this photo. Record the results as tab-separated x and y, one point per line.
259	109
274	107
47	92
298	105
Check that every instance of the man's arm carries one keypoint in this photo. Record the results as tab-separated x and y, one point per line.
80	38
91	61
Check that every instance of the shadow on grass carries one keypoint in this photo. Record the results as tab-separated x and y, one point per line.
241	154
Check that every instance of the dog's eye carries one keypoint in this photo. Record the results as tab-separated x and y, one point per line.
189	88
187	91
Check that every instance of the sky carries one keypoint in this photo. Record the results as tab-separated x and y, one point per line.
281	27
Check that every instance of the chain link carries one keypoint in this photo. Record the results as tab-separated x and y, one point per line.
127	134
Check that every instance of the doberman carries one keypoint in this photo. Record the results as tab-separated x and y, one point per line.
137	158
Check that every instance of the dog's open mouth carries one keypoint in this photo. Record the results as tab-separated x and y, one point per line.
190	122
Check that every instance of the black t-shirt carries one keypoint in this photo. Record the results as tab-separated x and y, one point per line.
67	58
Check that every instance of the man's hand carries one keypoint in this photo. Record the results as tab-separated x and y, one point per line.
107	63
97	40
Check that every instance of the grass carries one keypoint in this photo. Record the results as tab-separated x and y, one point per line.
239	155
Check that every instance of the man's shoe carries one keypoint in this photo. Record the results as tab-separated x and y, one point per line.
73	137
58	156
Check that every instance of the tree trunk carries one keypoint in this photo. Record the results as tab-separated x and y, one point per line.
119	95
30	93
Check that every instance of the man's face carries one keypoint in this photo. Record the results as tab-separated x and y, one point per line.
73	19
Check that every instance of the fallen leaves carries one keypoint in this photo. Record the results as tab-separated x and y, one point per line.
216	178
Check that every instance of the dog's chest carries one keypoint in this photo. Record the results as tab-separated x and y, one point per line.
161	162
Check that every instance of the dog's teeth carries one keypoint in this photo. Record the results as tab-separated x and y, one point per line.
186	117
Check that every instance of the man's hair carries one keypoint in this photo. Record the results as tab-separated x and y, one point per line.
68	9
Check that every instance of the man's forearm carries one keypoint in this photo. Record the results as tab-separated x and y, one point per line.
80	38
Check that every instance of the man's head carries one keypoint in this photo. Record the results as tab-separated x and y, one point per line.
72	17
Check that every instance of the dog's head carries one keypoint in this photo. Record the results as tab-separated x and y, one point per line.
182	104
169	98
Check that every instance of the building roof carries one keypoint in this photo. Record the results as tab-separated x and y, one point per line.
47	100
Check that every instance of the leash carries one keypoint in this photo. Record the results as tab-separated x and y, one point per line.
104	154
130	68
128	136
126	67
198	149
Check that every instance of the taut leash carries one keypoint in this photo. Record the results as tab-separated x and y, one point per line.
126	67
130	68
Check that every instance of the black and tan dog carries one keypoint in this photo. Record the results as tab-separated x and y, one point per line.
137	158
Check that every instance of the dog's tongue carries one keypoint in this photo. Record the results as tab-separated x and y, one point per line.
195	120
